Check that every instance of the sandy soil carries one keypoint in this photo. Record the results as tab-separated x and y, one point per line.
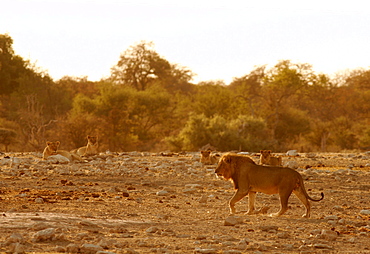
171	203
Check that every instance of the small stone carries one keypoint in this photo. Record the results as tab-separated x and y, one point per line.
205	251
59	249
58	159
90	248
151	230
18	248
292	153
72	248
44	235
193	186
203	199
322	246
189	190
329	235
232	221
39	200
39	226
14	238
365	212
291	164
162	193
331	217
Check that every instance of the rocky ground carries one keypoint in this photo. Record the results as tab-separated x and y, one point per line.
170	203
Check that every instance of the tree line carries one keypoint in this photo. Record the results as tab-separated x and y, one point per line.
150	104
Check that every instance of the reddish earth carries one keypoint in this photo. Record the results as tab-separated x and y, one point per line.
170	203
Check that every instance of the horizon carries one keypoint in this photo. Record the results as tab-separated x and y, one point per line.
221	41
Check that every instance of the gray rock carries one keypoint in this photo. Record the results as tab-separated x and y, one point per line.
90	248
365	212
329	235
44	235
152	230
58	159
292	153
162	193
72	248
233	220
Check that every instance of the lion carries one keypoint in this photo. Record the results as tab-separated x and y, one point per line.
90	149
206	158
249	178
52	149
267	158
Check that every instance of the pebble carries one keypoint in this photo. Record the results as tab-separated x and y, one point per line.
14	238
232	221
88	248
162	193
72	248
365	212
292	153
44	235
322	246
205	251
328	235
152	230
291	164
58	159
39	200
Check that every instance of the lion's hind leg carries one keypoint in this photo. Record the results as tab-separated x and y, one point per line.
239	195
284	197
304	201
251	202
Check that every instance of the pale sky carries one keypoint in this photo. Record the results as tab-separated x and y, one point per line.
217	40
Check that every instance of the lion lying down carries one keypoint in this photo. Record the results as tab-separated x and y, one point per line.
52	149
250	178
207	158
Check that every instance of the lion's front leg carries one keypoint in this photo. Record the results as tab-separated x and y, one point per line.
237	197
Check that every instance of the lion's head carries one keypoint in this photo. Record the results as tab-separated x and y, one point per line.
92	139
265	155
228	166
224	167
53	147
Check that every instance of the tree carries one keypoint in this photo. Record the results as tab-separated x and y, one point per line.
141	67
11	66
247	91
280	84
213	98
7	137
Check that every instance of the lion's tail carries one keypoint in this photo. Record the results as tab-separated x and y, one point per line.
306	194
316	200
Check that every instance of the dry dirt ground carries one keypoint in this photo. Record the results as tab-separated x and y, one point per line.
170	203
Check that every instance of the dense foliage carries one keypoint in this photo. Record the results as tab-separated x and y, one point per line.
149	104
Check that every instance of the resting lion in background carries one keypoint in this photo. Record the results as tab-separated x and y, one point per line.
250	178
206	158
90	149
52	149
267	158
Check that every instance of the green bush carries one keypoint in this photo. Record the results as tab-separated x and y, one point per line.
7	137
244	133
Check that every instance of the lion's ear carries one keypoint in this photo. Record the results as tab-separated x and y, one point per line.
269	151
227	159
58	143
48	143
